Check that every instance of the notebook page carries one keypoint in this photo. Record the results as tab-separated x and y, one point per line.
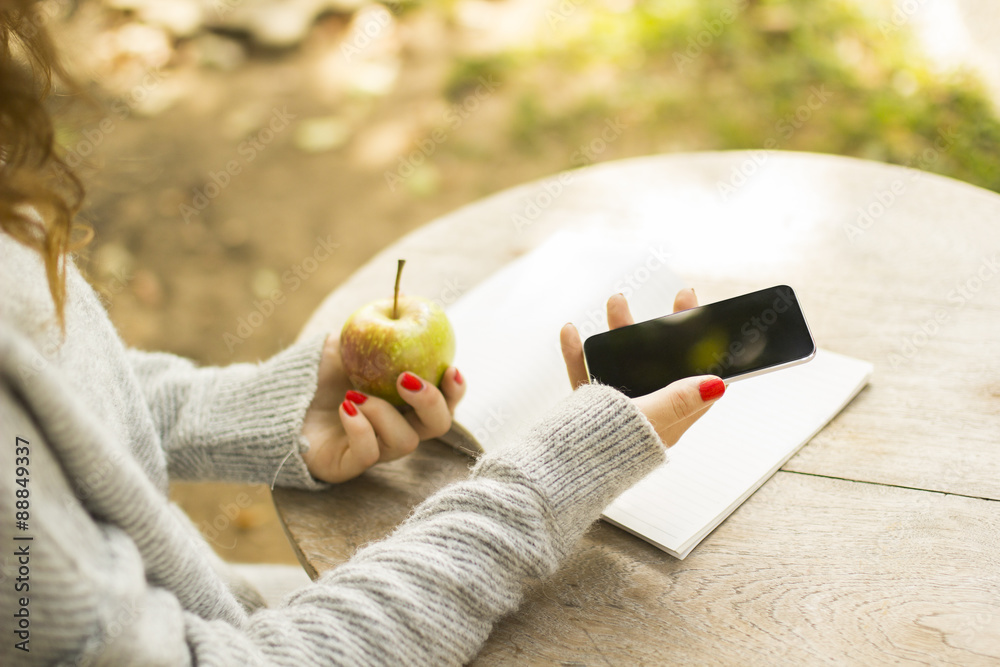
739	444
507	332
507	328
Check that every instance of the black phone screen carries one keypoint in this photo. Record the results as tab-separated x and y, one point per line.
739	336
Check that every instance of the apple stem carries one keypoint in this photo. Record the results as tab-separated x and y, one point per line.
395	296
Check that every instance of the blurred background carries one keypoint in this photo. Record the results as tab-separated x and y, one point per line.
243	157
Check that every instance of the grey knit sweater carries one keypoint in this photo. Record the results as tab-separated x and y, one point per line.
114	574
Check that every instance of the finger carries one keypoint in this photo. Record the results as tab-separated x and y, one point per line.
431	417
453	387
686	298
619	314
674	408
572	351
362	451
395	436
674	433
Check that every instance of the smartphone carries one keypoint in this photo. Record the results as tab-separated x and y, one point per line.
736	338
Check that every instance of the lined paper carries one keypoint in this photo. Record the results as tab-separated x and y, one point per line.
735	448
507	330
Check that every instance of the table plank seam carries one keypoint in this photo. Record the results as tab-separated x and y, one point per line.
894	486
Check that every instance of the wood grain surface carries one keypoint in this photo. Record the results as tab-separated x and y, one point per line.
810	570
877	544
785	580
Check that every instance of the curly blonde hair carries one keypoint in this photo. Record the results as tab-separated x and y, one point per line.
39	194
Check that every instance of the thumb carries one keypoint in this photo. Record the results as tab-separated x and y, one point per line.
673	409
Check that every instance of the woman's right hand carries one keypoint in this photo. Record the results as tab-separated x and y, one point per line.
671	410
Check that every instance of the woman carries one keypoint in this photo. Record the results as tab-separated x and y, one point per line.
100	568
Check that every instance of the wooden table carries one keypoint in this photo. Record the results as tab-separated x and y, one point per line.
878	543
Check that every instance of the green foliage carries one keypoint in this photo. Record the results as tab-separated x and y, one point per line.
826	76
469	73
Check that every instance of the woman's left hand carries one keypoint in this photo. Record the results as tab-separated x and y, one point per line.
349	432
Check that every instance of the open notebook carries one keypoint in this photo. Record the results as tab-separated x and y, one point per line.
507	330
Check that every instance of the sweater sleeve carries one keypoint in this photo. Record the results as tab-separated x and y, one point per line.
75	586
236	423
429	594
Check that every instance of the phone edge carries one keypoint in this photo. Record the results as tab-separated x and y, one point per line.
744	376
788	364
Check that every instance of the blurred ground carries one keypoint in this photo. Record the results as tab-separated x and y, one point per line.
245	156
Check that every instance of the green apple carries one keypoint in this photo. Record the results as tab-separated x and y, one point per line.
390	336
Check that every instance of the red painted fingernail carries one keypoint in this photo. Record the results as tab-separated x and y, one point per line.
711	389
349	408
458	377
356	397
411	382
